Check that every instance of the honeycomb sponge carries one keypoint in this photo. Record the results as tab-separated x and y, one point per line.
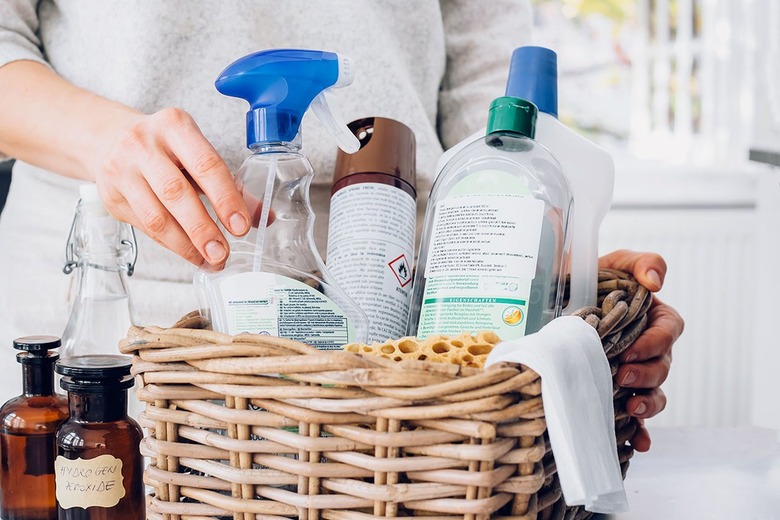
465	350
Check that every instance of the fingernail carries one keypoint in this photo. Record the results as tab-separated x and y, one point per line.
629	378
238	223
654	277
631	357
215	251
641	409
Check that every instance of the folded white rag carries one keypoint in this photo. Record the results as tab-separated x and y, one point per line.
577	395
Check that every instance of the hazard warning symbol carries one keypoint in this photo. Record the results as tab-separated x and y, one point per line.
401	270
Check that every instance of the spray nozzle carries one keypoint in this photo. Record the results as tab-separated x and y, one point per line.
280	85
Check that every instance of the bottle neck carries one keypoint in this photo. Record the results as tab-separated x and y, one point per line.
277	147
38	379
99	278
93	407
100	241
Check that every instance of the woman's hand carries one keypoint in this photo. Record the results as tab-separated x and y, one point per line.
148	168
646	363
149	175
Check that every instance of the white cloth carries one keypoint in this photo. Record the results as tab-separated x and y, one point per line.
434	66
578	408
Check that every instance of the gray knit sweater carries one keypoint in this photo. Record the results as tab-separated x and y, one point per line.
433	65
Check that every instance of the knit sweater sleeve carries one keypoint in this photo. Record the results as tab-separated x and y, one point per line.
480	38
19	34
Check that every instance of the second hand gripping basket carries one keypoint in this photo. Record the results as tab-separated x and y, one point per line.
257	427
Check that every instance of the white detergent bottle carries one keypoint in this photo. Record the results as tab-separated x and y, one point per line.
495	237
274	281
590	170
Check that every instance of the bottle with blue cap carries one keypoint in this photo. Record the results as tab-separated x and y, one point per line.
274	281
495	236
533	75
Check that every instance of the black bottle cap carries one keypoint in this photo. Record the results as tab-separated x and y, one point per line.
35	349
95	373
37	345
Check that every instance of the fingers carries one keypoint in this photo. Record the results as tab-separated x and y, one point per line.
146	213
646	404
178	206
649	374
646	363
198	157
641	439
665	326
140	174
649	269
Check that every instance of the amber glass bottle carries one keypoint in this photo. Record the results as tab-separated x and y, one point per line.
99	468
27	427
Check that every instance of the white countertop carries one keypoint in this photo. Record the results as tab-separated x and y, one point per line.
707	474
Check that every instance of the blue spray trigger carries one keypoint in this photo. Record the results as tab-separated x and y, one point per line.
280	85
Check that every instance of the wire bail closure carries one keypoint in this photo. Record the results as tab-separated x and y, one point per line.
133	245
71	263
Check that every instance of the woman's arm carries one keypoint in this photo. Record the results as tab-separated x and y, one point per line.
147	167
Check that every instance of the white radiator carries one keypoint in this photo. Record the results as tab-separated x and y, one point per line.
705	228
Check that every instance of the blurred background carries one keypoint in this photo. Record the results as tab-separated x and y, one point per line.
686	96
5	180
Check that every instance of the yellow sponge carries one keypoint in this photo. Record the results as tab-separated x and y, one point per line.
465	349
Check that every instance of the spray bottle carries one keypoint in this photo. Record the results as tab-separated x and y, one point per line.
533	75
274	281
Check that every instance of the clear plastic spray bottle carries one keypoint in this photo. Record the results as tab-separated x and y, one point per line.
275	281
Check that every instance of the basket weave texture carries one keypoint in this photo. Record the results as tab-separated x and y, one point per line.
258	427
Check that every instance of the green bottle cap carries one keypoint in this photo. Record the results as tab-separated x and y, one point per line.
511	114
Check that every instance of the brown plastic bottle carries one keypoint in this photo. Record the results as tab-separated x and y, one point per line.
27	427
99	468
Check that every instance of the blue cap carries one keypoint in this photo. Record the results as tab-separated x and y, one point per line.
533	75
279	85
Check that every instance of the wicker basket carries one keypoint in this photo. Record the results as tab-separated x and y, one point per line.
261	427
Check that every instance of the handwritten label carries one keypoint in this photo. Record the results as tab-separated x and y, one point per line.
88	482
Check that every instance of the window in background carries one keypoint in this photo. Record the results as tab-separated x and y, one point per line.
670	80
594	68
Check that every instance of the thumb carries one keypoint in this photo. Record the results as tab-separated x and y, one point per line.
649	269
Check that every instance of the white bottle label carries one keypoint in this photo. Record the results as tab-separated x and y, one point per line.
371	250
266	303
481	262
88	482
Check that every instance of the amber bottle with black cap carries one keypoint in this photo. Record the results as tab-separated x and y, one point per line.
27	427
99	468
372	224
